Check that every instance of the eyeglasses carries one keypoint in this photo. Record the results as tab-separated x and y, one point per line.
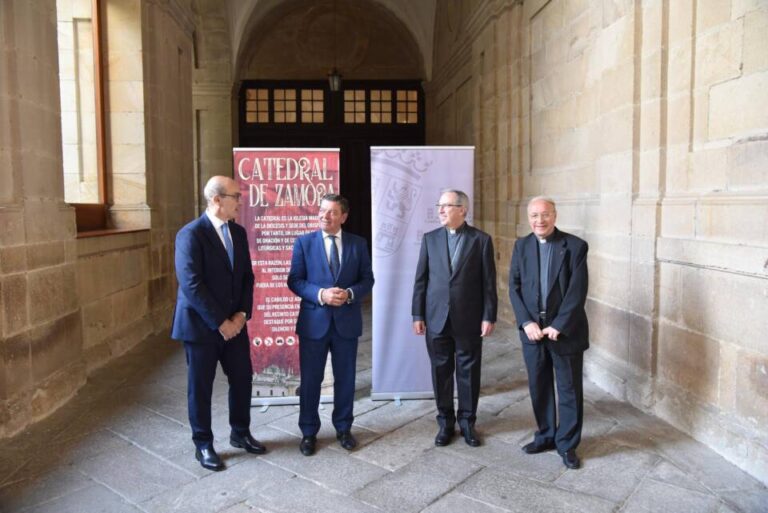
446	205
545	216
236	196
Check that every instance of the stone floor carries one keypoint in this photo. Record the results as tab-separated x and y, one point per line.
123	445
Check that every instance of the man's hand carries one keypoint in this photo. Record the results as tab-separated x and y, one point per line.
551	333
239	320
419	327
486	328
533	331
335	296
229	329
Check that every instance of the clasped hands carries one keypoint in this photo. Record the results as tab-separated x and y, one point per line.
334	296
231	327
535	333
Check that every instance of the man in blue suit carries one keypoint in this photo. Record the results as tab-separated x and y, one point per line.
213	268
548	289
331	272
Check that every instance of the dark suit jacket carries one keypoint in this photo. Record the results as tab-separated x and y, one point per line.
310	272
467	295
568	280
210	290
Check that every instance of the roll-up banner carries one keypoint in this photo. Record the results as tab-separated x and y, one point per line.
281	191
405	187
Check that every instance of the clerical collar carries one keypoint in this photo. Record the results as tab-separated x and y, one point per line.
455	231
543	241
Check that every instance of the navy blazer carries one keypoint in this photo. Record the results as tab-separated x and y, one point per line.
467	295
210	290
568	279
310	272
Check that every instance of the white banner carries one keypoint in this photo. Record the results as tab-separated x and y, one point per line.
405	187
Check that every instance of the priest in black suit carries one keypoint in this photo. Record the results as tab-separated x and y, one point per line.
548	290
454	304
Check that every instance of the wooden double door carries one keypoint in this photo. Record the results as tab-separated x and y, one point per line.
281	114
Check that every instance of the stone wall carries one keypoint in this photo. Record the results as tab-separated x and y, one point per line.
648	123
69	304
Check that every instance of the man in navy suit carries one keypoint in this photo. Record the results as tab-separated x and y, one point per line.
331	272
548	289
454	304
213	268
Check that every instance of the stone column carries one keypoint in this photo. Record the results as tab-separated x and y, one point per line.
40	343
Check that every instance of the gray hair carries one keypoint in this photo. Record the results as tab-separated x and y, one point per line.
214	187
461	196
545	199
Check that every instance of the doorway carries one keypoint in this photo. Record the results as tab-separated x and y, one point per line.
307	114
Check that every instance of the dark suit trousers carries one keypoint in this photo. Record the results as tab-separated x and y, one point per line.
313	353
544	368
202	359
446	355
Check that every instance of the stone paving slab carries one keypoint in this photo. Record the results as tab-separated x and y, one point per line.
218	491
300	495
333	469
418	484
134	474
653	496
401	446
454	502
94	499
610	472
122	444
518	494
29	493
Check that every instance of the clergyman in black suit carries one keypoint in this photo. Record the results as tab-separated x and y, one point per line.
548	289
454	304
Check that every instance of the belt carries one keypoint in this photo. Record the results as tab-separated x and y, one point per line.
542	316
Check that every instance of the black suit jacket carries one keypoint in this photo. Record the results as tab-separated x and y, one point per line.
467	295
568	279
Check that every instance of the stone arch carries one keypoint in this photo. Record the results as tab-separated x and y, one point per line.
295	40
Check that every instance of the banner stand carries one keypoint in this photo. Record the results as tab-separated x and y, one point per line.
281	190
398	396
406	182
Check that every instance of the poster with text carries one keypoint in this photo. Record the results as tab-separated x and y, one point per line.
281	191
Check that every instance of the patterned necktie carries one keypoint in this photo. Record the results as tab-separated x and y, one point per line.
228	244
335	263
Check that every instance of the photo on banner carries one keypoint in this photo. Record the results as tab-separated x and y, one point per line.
405	186
281	192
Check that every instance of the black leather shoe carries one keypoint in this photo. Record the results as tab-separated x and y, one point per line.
532	448
247	442
307	445
209	459
346	440
470	436
571	460
444	437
